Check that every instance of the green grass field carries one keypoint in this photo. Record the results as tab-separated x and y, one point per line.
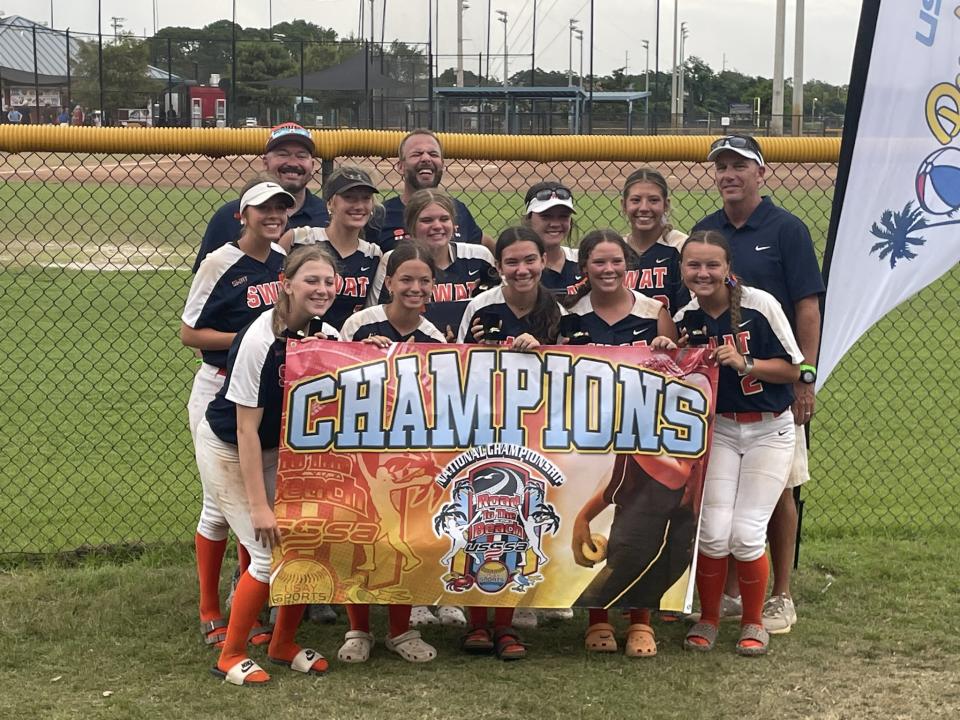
120	641
94	444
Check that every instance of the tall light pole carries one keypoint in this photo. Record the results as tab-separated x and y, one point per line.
506	70
684	34
461	6
776	113
798	71
533	48
579	34
646	86
573	27
487	72
674	103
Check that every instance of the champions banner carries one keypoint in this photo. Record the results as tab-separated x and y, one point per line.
464	475
894	226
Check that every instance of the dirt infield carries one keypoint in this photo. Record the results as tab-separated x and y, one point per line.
468	176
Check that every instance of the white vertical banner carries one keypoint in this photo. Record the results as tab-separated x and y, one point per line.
899	227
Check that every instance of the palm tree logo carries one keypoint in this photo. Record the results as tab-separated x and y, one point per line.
938	193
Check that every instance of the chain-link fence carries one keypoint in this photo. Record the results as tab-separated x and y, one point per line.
95	268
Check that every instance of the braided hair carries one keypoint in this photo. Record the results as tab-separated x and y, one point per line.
545	314
732	282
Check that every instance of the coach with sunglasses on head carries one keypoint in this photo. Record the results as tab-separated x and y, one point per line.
772	250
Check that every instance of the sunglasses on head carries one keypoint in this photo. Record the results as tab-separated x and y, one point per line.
736	141
559	193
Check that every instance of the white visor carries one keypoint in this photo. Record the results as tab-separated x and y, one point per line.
743	152
539	206
261	192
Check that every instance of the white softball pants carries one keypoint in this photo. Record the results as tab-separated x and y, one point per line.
219	465
746	473
206	384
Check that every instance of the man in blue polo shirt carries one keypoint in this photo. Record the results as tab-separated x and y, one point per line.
420	162
289	156
772	250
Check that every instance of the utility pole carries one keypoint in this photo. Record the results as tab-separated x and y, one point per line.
116	23
487	72
461	6
646	86
684	34
798	71
674	105
776	113
573	27
533	48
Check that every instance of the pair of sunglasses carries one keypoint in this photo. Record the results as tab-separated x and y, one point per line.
558	193
736	141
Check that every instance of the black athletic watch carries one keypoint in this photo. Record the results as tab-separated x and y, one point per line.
808	374
747	366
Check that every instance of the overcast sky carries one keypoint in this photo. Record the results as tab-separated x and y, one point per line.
738	33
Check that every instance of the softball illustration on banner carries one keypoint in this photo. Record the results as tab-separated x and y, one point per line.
600	543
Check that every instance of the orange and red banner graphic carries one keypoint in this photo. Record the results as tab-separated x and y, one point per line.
476	475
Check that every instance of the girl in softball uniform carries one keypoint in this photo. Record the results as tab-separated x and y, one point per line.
409	279
654	264
349	195
549	213
233	285
524	314
237	443
429	217
753	435
648	491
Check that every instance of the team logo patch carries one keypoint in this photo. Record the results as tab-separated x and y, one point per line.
497	518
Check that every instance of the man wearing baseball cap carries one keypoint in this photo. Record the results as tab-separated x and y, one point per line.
420	162
288	155
772	250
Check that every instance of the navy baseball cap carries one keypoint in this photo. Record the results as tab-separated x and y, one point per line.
290	132
347	178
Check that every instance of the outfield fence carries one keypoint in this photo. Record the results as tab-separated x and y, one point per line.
100	227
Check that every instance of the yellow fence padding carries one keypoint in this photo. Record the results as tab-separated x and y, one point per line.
219	142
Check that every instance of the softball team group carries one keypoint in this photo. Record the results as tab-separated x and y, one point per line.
654	286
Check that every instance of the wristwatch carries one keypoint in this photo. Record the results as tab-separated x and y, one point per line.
808	374
747	366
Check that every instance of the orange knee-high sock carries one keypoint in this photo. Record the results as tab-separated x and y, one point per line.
248	601
598	615
640	616
399	616
753	578
478	616
209	561
502	617
243	558
711	575
282	645
359	616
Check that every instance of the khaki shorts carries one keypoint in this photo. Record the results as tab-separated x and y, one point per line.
799	470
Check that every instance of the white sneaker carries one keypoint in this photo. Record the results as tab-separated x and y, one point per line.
731	608
421	615
451	615
779	615
558	614
524	619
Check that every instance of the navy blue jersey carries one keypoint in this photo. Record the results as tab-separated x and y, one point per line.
454	286
772	251
254	380
511	326
373	321
638	327
763	333
566	280
393	229
355	273
224	226
229	291
656	274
